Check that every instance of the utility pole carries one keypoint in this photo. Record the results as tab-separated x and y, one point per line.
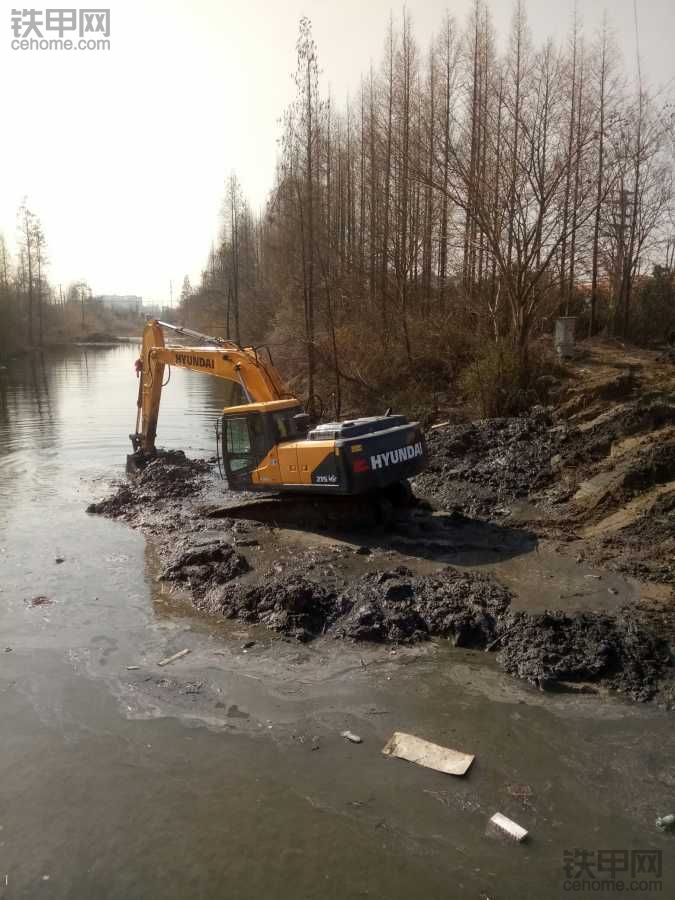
623	259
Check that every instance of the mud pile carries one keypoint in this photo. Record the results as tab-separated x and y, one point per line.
605	475
478	468
657	525
171	476
592	441
475	469
616	488
398	606
291	604
204	564
386	606
553	649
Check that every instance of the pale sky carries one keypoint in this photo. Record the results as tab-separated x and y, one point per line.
123	153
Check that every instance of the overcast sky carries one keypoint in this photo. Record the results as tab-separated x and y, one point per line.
123	153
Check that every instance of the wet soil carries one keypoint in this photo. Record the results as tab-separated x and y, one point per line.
232	757
477	469
596	472
593	477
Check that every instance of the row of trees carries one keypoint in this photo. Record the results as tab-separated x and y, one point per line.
23	287
462	200
32	312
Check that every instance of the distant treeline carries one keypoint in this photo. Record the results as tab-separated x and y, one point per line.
33	313
435	224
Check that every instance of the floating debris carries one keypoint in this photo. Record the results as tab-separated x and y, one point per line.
424	753
507	827
170	659
665	823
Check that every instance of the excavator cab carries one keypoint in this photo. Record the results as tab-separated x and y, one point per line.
251	436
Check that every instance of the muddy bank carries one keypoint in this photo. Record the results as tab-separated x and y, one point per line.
556	650
478	469
597	472
171	477
242	570
594	477
549	650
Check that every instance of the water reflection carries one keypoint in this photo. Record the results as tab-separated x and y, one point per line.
67	414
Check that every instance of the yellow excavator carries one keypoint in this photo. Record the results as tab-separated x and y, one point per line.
266	443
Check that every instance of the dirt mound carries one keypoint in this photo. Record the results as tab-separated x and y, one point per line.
291	604
477	467
171	476
651	466
593	442
115	506
598	474
204	565
389	606
597	387
551	650
397	606
554	648
644	546
658	523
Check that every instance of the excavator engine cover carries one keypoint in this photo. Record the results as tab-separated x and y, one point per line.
370	453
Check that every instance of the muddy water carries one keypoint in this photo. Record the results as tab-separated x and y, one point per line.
224	774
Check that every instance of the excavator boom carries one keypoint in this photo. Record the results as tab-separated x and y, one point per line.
259	380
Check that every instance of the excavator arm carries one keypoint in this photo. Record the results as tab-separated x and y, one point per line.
259	381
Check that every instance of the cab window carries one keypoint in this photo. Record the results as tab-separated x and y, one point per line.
283	428
238	443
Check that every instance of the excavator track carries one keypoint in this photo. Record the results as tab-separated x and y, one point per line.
333	513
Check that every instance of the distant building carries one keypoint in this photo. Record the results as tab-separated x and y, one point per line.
157	311
123	303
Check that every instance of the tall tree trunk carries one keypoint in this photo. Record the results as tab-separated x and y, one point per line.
570	148
387	188
600	185
373	190
443	254
577	174
402	265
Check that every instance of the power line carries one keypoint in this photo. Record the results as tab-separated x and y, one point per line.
637	45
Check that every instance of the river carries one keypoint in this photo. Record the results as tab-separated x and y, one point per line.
224	774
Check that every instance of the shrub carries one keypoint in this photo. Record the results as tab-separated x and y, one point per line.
497	382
